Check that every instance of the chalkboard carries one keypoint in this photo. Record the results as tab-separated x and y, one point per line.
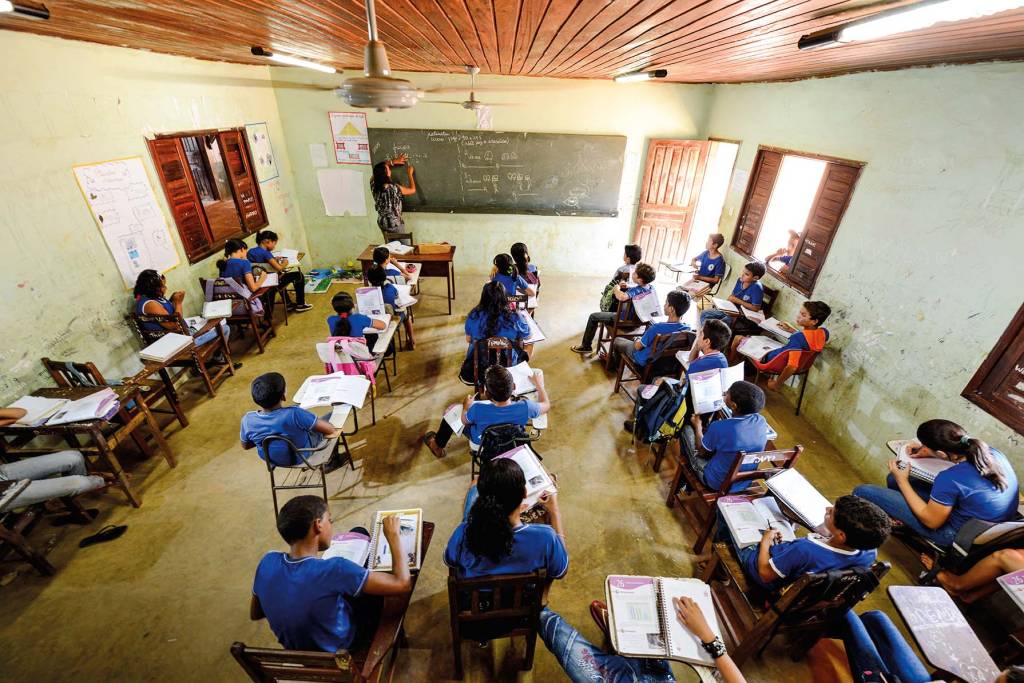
476	171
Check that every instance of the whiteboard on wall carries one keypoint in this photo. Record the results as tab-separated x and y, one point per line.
124	206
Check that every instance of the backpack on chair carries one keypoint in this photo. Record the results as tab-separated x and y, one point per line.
662	412
498	439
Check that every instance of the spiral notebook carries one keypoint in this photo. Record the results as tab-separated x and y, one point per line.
925	469
410	537
642	620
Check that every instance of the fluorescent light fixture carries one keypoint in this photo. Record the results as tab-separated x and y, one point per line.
293	61
908	18
6	6
27	11
641	76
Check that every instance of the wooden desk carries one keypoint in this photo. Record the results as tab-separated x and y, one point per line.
106	436
431	265
942	634
151	367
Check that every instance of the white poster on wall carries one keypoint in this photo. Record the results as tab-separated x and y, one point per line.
342	191
351	142
124	206
262	151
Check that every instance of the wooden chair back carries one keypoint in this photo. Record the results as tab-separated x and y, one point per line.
767	464
664	349
488	352
261	321
71	374
149	328
726	272
264	665
492	607
768	301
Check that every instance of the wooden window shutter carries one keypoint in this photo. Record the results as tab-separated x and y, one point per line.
998	385
239	164
186	207
755	204
826	212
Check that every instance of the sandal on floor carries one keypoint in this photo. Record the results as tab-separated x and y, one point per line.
599	612
429	442
107	533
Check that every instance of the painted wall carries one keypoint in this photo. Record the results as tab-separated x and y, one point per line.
589	246
64	103
922	275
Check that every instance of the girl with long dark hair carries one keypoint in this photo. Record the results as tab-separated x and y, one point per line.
387	195
235	264
492	317
521	256
980	484
151	299
492	538
505	271
346	323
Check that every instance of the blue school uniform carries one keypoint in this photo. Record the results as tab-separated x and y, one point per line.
511	326
710	267
512	285
307	600
140	309
971	495
808	555
724	439
260	255
236	268
534	546
653	331
715	360
390	293
785	258
797	342
753	293
292	422
483	414
357	321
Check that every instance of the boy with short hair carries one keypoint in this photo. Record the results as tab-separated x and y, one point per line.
856	526
262	253
748	292
644	275
710	263
676	305
298	425
810	337
707	352
631	255
315	604
383	258
377	277
715	451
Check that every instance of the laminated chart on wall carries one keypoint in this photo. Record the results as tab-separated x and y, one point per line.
349	133
124	206
342	191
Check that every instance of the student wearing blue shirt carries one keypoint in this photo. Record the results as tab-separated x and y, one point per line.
494	407
677	303
981	485
314	604
855	528
345	323
492	538
710	263
298	425
377	277
644	275
784	256
235	265
521	255
504	270
383	258
746	430
810	337
263	253
492	317
746	293
707	350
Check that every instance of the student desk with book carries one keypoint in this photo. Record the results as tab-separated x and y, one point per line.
431	265
105	435
160	367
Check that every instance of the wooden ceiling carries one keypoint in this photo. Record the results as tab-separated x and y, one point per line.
696	40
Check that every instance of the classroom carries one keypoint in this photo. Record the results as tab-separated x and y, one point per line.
671	342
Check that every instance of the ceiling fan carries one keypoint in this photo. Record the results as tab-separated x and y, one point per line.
376	89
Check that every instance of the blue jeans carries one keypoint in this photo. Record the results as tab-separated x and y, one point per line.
891	500
585	662
72	478
712	314
207	337
874	645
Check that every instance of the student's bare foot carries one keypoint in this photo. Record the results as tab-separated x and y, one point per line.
944	578
431	443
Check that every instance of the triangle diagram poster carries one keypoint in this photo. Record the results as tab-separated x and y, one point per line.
348	133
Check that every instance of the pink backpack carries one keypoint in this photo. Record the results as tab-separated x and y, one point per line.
350	355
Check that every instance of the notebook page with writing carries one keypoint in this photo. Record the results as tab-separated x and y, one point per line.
682	644
633	616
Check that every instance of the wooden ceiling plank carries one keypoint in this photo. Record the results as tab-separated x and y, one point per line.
531	14
395	15
482	14
506	17
436	16
459	16
589	19
555	17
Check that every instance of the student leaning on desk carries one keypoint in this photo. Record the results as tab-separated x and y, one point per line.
263	253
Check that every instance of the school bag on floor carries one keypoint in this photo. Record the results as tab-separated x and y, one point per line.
660	416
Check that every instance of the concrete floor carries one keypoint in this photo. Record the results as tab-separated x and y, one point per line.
166	600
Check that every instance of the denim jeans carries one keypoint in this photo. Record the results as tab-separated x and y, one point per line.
875	646
595	319
623	346
712	314
70	465
207	337
585	662
891	500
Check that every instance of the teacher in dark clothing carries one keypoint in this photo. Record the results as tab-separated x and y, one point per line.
387	198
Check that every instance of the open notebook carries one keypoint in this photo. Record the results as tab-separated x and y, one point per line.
537	478
333	389
799	495
646	305
351	545
748	519
707	388
757	346
642	621
410	537
725	305
925	469
536	334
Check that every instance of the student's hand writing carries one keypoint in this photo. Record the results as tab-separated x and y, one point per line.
900	475
771	536
538	378
914	450
401	159
177	297
390	525
689	615
549	499
787	327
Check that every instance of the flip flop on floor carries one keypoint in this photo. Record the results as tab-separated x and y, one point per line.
107	533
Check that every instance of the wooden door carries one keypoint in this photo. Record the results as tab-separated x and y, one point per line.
235	151
668	198
182	196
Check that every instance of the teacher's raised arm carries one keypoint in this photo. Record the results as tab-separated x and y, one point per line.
387	198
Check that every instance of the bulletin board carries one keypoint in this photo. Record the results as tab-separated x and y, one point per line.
126	211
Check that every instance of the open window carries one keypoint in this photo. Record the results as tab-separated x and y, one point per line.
998	385
208	179
791	212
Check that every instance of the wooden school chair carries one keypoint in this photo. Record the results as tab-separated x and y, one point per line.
703	296
243	310
488	352
660	363
804	365
270	295
308	472
200	357
370	663
804	611
498	439
626	324
492	607
15	524
700	504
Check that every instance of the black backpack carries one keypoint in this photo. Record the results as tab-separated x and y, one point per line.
657	411
498	439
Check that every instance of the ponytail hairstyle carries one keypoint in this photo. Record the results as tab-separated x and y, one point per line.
381	177
949	437
506	266
494	307
266	235
521	255
230	247
502	488
376	275
343	305
148	284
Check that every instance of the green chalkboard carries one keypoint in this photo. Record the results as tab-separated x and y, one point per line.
477	171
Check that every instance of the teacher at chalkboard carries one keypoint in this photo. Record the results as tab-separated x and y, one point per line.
387	198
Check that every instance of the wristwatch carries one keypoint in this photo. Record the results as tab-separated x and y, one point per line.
716	648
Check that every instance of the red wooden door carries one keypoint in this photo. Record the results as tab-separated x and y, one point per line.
668	198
